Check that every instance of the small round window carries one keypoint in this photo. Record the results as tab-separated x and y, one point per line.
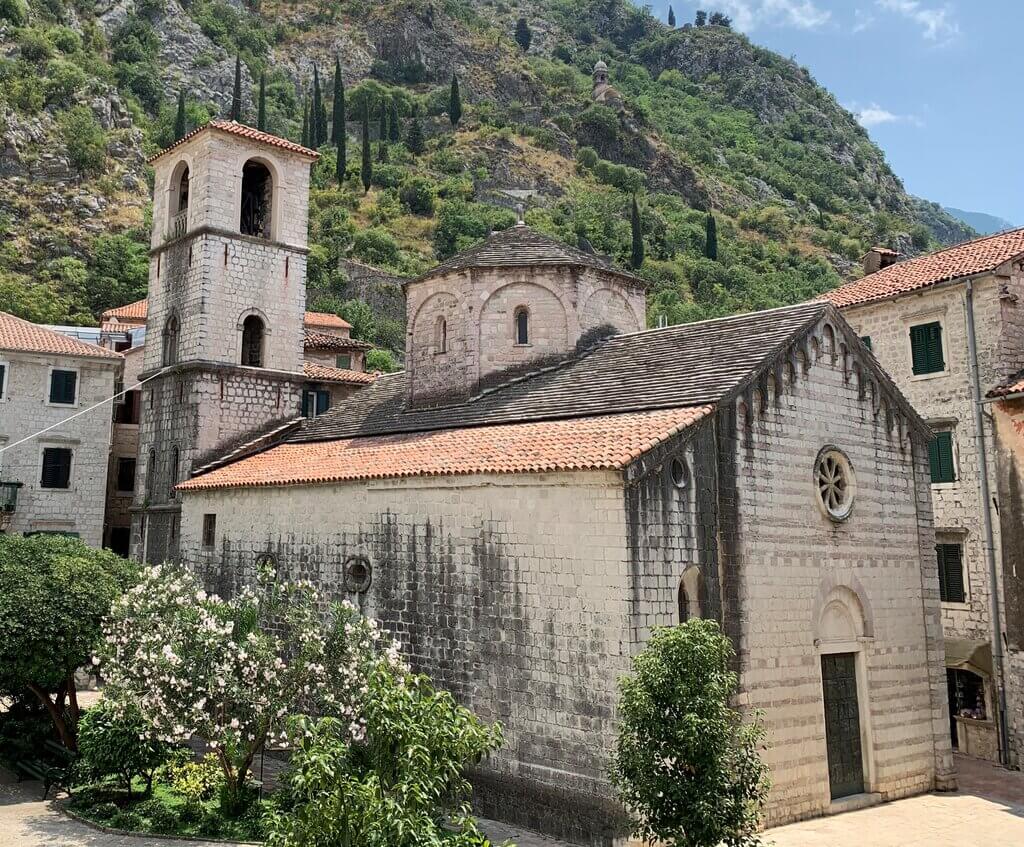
834	483
679	473
358	574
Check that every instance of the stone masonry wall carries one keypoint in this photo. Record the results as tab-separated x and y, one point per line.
788	570
509	590
124	444
24	410
944	399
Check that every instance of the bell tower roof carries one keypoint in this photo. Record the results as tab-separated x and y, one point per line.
242	131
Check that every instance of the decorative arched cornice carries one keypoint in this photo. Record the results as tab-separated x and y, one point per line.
831	589
615	292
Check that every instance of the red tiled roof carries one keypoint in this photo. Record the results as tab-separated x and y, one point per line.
138	311
971	257
25	337
326	320
324	373
328	341
235	128
1013	386
604	442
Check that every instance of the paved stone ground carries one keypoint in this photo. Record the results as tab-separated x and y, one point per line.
988	810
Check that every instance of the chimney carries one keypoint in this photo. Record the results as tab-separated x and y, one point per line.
877	258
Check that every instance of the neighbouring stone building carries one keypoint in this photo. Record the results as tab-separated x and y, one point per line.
917	316
53	483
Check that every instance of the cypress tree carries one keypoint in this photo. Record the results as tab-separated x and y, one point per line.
394	125
339	164
236	94
315	130
414	140
367	169
338	106
382	132
180	120
305	122
711	238
455	102
636	258
261	113
671	17
523	34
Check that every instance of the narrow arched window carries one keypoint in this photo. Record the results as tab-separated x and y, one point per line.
257	197
177	205
173	481
183	191
522	326
171	333
252	342
684	605
441	335
151	473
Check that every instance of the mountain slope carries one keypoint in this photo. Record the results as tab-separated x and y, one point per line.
700	120
983	223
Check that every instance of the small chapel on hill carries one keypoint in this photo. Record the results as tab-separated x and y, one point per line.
548	481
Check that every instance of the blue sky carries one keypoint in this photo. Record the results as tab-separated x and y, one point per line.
934	81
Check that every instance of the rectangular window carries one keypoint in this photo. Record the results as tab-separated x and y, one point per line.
867	342
315	402
3	380
344	360
940	458
126	474
926	348
951	573
209	531
56	468
63	385
127	412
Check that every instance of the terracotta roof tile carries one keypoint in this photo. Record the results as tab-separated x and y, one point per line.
235	128
1015	385
25	337
324	373
325	320
326	341
971	257
605	442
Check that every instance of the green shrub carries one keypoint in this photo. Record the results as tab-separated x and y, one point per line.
191	813
63	79
33	45
84	138
587	158
376	246
28	93
64	39
447	161
105	811
196	781
381	360
388	176
419	195
162	818
113	742
126	820
15	11
211	824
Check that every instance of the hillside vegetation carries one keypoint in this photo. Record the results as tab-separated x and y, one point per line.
708	122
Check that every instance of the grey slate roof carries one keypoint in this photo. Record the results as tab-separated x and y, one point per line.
685	365
521	246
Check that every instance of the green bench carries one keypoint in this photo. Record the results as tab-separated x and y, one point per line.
48	774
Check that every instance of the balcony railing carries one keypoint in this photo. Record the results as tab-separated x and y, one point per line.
9	497
179	223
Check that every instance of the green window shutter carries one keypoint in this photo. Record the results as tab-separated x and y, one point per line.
867	342
3	375
926	348
62	387
323	401
306	395
940	458
951	573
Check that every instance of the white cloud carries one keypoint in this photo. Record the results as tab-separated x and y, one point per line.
873	115
862	20
748	15
936	22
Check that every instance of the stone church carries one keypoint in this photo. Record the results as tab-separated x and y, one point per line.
548	481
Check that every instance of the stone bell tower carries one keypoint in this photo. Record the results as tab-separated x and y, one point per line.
227	291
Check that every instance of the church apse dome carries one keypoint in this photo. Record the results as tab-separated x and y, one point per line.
515	302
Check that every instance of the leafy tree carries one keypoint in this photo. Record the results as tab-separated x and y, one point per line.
236	92
14	11
711	237
85	140
114	741
685	764
54	593
381	360
671	17
117	271
701	18
523	34
360	314
455	102
230	671
636	256
405	776
181	118
366	171
418	194
261	109
414	140
719	19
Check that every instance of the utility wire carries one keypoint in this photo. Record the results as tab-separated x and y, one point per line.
120	393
